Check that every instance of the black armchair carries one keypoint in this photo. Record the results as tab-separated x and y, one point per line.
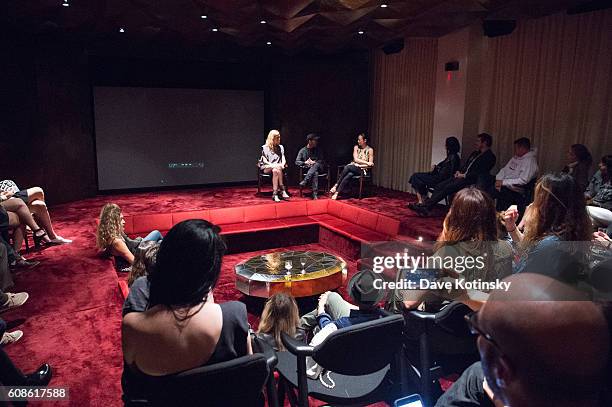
438	344
262	177
303	169
362	179
237	382
375	375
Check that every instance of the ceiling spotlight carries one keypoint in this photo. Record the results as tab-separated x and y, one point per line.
215	30
203	17
268	43
360	32
384	5
262	22
122	30
65	3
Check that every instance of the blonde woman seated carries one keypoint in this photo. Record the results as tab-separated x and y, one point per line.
363	160
112	240
280	314
273	161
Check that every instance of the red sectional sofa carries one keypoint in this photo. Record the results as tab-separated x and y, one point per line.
352	222
332	223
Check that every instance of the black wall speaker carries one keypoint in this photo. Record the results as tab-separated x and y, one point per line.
393	46
497	28
451	66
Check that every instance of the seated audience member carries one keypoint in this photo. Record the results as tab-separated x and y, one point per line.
510	181
542	343
311	157
599	195
558	214
138	279
10	375
579	166
469	231
8	300
477	166
34	198
470	390
144	261
182	328
333	309
7	221
280	314
273	161
112	240
363	160
445	169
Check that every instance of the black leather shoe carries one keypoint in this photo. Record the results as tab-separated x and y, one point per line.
41	377
303	183
414	205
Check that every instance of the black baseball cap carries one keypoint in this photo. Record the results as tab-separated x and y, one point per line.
312	136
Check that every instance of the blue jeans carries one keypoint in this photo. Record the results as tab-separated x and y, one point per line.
154	236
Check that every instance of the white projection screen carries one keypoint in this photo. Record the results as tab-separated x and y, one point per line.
153	137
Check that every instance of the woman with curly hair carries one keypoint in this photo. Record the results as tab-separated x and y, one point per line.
112	240
558	214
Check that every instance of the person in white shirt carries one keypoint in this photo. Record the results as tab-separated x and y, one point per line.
511	180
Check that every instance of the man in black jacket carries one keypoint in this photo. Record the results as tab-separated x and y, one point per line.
310	157
476	168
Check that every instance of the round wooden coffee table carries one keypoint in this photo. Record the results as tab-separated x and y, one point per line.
268	274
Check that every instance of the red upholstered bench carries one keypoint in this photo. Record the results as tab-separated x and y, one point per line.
355	223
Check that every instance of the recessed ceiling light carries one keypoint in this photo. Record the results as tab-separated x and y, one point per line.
262	22
122	30
203	16
360	32
65	3
215	30
268	43
384	5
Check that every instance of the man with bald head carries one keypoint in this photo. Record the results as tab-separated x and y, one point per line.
542	343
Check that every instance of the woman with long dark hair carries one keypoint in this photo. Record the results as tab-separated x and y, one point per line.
183	328
580	162
363	160
445	169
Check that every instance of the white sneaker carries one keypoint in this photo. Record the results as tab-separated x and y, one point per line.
14	301
285	195
11	337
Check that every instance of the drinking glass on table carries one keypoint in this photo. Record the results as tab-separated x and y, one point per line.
303	263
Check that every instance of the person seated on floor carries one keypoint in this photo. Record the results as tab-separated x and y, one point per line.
280	314
543	343
511	180
183	328
273	161
34	198
10	375
475	169
599	195
312	158
138	278
10	220
445	169
469	231
333	309
579	167
363	160
558	214
8	300
111	239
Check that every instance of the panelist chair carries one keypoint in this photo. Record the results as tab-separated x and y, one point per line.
373	376
237	382
262	177
361	179
438	344
303	169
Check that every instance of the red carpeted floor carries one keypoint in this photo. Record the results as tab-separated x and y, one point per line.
72	319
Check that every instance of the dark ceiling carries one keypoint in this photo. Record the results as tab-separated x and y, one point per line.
292	26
